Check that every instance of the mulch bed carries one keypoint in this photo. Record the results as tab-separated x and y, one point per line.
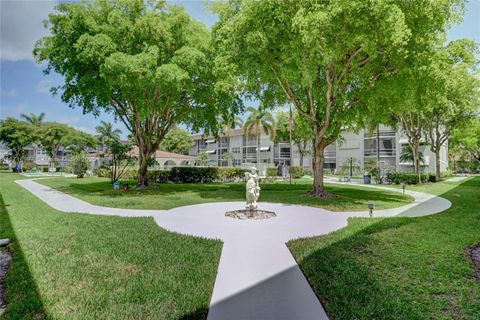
475	256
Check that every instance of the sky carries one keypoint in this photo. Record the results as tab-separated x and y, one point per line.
24	88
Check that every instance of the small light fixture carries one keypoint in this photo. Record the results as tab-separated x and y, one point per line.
403	187
370	209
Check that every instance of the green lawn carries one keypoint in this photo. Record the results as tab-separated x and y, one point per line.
166	196
77	266
400	268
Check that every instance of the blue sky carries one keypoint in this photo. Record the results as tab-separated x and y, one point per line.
24	88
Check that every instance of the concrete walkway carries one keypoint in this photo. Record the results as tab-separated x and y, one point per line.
257	276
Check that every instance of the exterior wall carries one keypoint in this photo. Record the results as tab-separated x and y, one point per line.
360	146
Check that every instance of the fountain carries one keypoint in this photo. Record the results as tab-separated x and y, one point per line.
251	210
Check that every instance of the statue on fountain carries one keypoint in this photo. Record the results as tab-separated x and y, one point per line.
252	189
251	210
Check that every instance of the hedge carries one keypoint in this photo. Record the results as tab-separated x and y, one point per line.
408	178
183	174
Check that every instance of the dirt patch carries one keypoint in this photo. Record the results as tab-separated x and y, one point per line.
475	256
5	261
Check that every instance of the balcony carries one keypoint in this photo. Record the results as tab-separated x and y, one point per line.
383	152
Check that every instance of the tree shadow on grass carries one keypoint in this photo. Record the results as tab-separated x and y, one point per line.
22	294
345	284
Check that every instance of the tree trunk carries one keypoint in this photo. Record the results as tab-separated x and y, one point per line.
438	176
301	159
258	149
319	159
142	171
378	147
416	160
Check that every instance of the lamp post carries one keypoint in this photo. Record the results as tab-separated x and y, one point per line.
370	209
291	149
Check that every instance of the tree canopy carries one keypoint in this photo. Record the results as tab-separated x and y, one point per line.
178	141
323	57
16	135
146	62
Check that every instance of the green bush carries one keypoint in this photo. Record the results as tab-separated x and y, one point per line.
296	172
446	174
230	174
193	174
272	172
409	178
80	164
159	176
103	173
67	169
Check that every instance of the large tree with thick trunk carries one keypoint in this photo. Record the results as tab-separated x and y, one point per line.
323	56
146	62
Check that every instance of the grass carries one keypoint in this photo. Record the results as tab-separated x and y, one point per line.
99	191
400	268
77	266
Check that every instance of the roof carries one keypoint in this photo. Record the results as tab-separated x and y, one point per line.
230	133
164	154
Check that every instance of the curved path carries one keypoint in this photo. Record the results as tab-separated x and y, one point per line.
257	277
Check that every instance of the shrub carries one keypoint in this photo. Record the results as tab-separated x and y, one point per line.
230	174
104	173
159	176
193	174
409	178
296	172
446	174
67	169
80	164
309	172
272	172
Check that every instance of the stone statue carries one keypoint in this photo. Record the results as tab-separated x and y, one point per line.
252	192
252	189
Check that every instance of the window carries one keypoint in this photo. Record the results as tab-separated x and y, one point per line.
236	150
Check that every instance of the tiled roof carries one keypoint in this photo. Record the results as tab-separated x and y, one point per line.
164	154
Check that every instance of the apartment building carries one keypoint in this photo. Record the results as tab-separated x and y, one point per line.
357	148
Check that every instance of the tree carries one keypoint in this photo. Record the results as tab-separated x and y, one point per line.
178	141
302	133
259	121
16	135
228	156
323	56
121	158
456	92
146	62
80	164
407	155
36	122
78	141
106	133
202	158
465	140
52	137
33	119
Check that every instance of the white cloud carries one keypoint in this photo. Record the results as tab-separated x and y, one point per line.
85	129
10	93
21	26
43	86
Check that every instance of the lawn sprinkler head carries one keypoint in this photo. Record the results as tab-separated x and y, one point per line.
370	209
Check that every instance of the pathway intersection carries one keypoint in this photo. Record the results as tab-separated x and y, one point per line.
257	277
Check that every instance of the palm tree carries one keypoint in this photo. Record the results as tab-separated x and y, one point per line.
260	121
106	133
33	119
36	122
407	155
